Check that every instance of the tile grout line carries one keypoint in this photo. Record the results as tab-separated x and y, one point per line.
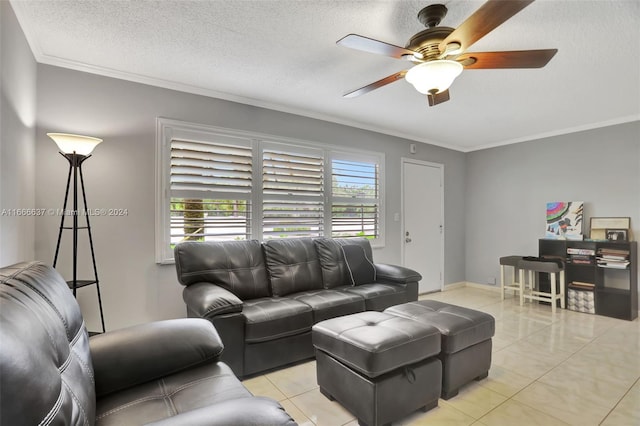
620	400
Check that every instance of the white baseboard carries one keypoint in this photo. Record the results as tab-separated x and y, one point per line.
454	286
487	287
462	284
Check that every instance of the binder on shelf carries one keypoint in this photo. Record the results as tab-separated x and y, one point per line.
581	251
580	259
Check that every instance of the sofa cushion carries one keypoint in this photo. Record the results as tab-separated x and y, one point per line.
330	303
237	266
378	296
361	269
238	412
334	268
275	317
170	396
335	272
293	265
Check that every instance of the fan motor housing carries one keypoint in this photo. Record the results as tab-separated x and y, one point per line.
426	42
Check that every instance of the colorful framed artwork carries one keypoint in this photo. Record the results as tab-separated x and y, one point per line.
564	220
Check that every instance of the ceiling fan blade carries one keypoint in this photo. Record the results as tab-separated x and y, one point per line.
491	15
375	85
438	98
370	45
508	59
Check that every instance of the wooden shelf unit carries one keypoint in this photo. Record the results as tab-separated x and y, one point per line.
616	289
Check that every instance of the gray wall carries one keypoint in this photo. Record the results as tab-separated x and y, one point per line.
17	139
121	174
508	188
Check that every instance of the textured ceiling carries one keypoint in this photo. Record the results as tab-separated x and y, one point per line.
282	55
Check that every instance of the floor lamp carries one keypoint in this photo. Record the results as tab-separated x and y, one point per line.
76	149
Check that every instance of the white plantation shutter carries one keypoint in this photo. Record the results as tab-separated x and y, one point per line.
217	184
210	185
210	168
292	192
355	201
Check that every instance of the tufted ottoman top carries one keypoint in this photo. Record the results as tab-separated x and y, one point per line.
374	343
460	327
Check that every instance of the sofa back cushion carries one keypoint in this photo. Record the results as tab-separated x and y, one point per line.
361	269
293	265
335	272
237	266
46	374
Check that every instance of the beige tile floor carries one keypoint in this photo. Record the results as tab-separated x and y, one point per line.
568	368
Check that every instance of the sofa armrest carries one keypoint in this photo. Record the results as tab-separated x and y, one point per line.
138	354
395	274
207	300
234	412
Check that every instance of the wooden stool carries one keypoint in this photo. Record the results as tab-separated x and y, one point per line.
516	283
547	266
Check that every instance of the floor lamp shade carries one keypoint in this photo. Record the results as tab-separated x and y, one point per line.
76	149
78	144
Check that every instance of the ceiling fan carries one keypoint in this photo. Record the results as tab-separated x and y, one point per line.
439	52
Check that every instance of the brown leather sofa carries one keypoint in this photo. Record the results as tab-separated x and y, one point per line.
161	373
263	298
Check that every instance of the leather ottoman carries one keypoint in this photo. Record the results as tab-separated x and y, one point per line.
378	366
466	339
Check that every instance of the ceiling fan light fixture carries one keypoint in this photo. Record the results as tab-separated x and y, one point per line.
433	76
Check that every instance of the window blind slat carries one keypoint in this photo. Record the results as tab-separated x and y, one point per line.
295	185
210	180
218	148
210	164
204	190
292	181
294	172
285	158
239	158
188	171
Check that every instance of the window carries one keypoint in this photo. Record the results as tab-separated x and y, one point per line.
218	184
355	198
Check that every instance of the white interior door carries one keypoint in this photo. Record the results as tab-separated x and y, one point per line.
423	225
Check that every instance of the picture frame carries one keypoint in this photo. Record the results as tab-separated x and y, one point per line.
616	234
599	226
